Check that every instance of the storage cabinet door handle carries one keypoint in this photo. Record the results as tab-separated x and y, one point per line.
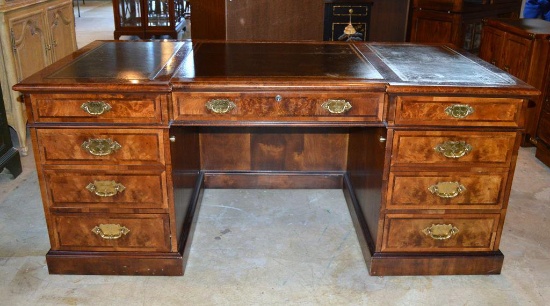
105	188
336	106
220	106
440	231
96	108
110	231
447	190
101	147
453	149
459	111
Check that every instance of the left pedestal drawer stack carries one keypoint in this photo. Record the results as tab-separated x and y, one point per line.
105	183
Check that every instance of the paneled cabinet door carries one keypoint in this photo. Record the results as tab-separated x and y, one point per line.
491	48
61	22
516	55
30	43
509	52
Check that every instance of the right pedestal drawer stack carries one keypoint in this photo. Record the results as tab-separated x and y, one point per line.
521	47
448	187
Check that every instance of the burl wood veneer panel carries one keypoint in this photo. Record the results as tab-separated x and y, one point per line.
137	146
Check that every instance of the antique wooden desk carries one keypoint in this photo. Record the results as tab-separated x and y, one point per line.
422	140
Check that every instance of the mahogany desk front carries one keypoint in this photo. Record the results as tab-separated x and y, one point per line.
422	139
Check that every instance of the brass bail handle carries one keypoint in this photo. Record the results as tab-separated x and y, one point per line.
110	231
96	108
220	106
447	190
101	147
453	149
335	106
459	111
440	231
105	188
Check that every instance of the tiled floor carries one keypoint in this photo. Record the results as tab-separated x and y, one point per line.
271	247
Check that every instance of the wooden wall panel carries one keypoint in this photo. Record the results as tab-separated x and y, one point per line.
277	150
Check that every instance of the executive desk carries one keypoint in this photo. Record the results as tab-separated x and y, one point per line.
422	140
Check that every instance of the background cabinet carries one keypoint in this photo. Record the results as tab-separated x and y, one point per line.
456	21
339	14
288	20
33	34
148	18
522	48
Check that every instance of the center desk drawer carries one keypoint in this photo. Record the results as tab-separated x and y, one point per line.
463	111
101	146
103	232
98	189
439	233
450	148
108	108
282	106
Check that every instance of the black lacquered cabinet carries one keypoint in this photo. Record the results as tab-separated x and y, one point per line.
339	15
9	156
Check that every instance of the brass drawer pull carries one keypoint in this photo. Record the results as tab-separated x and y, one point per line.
110	231
101	147
105	188
453	149
96	108
459	111
440	231
447	190
220	106
336	106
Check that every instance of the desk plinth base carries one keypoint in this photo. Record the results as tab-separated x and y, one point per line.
111	263
391	264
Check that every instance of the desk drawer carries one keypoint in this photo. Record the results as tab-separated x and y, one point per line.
452	148
463	111
453	190
108	108
105	190
286	106
101	146
104	232
439	233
